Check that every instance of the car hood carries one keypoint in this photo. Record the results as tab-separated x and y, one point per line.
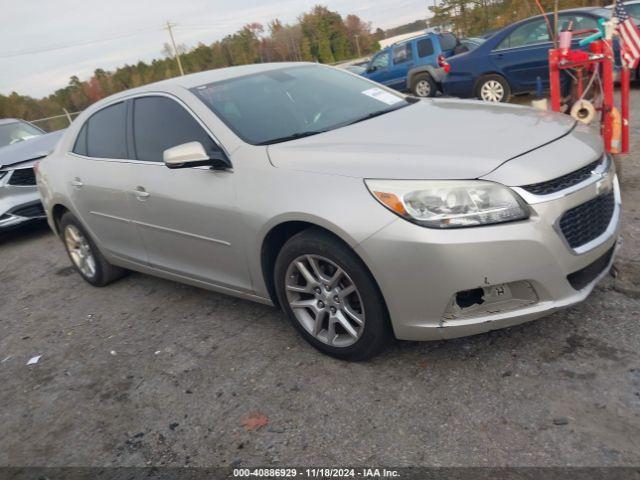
31	149
431	139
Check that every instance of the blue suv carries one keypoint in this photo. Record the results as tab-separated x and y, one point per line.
511	60
411	64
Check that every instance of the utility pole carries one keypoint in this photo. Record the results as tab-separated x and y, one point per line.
173	42
356	36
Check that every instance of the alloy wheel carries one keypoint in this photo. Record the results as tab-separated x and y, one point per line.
325	300
80	251
492	91
423	88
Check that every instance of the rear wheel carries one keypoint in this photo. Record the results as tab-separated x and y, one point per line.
330	297
423	85
493	88
84	255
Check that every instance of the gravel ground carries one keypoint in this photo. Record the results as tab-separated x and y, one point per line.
150	372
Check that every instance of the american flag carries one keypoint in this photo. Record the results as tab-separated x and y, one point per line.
629	34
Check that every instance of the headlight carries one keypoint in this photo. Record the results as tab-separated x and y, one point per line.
449	203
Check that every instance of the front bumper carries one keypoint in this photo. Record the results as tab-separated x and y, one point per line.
421	270
19	205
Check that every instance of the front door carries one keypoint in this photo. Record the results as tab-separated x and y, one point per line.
403	61
379	69
523	56
187	217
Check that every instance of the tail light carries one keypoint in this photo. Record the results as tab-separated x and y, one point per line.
442	63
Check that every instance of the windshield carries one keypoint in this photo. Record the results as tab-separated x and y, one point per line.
288	103
17	132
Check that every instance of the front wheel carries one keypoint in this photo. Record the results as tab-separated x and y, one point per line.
493	88
423	85
330	297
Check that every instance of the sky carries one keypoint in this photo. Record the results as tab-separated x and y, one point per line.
44	42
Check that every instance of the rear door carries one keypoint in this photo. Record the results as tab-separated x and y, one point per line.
99	177
187	218
426	51
523	56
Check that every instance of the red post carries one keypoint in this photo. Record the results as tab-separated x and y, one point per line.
625	81
554	79
607	80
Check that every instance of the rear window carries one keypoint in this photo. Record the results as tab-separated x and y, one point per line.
448	41
425	47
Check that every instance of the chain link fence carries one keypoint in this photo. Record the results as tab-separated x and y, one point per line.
56	122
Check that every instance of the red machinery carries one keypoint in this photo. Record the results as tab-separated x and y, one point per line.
598	61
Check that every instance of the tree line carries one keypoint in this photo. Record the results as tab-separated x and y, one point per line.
475	17
318	35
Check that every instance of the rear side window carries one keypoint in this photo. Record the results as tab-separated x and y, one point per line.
106	133
402	54
448	41
579	23
425	47
160	123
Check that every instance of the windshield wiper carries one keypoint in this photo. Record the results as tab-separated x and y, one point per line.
293	136
378	113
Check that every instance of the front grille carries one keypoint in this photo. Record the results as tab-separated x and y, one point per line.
561	183
30	211
23	177
588	274
588	221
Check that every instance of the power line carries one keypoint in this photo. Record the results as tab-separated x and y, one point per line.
74	44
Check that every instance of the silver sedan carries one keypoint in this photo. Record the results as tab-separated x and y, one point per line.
21	146
362	213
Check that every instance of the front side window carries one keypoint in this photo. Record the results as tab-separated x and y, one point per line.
104	134
425	48
381	60
402	54
634	10
16	132
531	33
279	105
160	123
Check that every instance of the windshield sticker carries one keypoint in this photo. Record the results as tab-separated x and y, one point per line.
382	96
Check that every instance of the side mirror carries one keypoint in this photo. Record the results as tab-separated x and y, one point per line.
193	154
371	68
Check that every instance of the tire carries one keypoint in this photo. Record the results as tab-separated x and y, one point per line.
423	86
493	88
354	323
95	269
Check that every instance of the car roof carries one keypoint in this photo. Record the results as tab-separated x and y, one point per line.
6	121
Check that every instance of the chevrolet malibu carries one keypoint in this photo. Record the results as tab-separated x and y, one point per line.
362	213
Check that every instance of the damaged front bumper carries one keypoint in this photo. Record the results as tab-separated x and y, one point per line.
441	284
19	198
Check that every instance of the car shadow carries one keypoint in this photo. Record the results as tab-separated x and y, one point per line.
32	231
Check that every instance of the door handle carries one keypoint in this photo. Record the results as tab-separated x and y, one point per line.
141	193
76	182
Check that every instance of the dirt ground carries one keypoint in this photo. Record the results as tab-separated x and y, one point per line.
150	372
